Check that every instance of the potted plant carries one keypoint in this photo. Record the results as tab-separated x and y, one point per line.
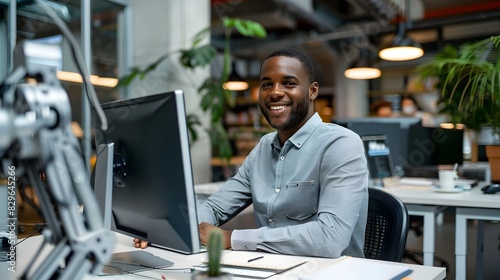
215	246
469	80
215	98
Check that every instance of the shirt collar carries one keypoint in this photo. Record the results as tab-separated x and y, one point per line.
300	137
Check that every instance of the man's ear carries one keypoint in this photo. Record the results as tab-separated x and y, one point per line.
313	90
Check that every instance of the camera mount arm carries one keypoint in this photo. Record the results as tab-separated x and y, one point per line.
36	138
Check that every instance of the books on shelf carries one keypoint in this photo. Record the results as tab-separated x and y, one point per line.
359	269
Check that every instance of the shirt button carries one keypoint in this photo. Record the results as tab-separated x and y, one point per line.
282	157
277	190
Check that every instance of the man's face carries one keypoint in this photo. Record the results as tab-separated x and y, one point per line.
285	95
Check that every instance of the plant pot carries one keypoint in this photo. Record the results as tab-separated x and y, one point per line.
493	154
203	275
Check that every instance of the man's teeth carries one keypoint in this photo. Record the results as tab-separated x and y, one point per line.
277	107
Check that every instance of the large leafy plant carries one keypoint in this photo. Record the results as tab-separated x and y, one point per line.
215	98
469	80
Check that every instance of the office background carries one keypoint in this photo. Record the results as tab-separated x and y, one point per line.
155	27
126	34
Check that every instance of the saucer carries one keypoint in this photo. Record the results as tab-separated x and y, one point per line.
454	190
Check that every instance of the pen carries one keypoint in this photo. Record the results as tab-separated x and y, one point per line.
254	259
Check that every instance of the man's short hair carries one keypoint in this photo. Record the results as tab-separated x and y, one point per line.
300	56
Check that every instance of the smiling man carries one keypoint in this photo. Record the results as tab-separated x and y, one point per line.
307	181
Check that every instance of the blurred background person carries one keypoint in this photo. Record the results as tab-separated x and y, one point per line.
382	108
410	108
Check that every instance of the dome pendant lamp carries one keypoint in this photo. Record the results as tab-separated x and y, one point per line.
402	47
235	82
362	68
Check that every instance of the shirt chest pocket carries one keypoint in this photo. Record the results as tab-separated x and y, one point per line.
301	200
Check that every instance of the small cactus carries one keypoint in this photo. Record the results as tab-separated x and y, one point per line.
214	247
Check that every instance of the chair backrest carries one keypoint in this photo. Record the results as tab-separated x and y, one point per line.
386	227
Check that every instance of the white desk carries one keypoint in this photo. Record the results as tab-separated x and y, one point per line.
473	204
184	262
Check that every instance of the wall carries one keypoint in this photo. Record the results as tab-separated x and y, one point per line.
351	96
160	27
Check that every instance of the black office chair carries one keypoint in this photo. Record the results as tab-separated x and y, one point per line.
386	227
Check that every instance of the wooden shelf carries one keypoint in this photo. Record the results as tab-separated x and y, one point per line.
235	160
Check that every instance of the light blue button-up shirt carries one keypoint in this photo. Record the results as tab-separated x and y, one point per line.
310	197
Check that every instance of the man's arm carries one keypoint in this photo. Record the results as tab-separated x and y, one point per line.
231	198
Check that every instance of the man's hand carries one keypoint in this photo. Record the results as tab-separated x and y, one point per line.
140	243
205	228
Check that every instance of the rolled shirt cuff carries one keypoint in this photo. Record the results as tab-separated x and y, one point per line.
244	239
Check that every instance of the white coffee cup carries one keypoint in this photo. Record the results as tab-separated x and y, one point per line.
447	179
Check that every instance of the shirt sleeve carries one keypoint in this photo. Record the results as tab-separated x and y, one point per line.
244	240
232	197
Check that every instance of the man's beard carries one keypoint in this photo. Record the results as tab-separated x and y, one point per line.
297	114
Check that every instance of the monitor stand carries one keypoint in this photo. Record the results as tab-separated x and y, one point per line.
124	262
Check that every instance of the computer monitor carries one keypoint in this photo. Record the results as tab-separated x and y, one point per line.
414	148
398	133
152	189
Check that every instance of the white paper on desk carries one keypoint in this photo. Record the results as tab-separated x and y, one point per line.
416	181
265	261
359	269
241	271
466	184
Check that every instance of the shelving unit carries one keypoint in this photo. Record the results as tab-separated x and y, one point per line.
244	122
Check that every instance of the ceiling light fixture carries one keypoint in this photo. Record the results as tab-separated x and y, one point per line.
402	48
94	79
235	82
362	68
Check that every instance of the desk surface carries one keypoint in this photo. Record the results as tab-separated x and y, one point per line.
184	262
425	195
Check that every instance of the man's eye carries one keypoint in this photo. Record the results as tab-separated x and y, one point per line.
289	83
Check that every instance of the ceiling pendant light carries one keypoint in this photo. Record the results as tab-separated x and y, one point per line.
402	48
362	68
235	82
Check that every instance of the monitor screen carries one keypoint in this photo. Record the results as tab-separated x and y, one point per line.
152	195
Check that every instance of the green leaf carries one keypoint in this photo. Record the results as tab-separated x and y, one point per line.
198	56
228	22
246	28
242	28
259	30
198	37
193	121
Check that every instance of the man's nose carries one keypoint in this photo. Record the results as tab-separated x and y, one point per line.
277	91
